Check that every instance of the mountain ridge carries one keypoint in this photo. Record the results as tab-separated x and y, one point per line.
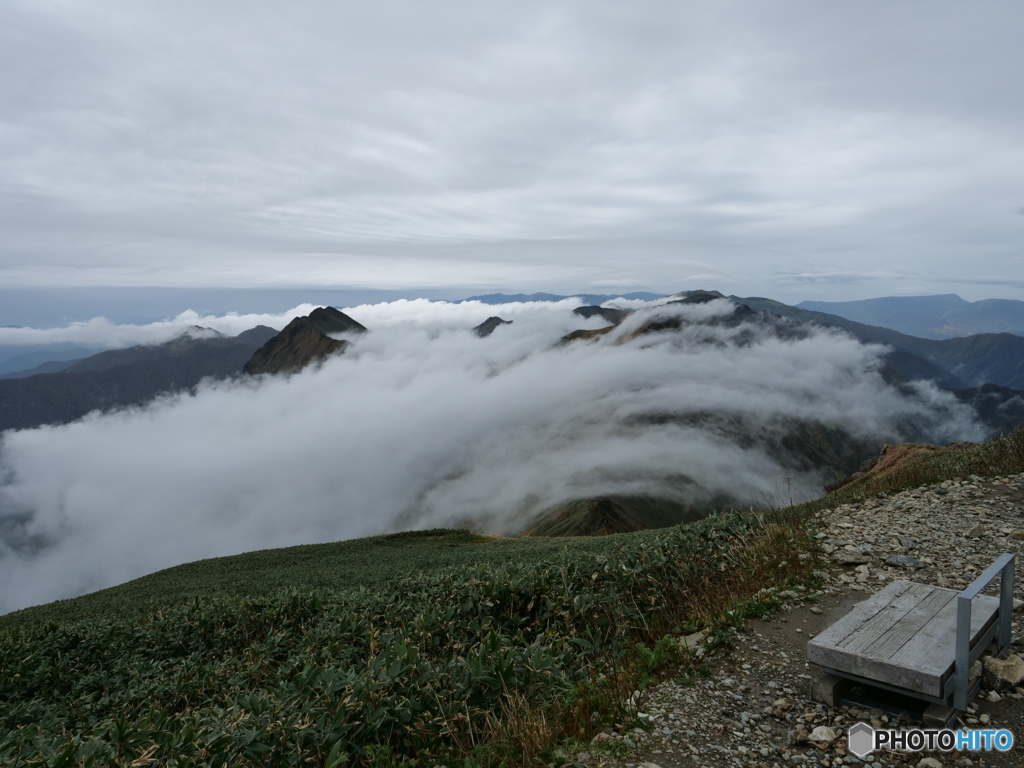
939	317
124	377
985	358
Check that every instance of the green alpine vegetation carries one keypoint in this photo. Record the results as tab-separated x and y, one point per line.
437	647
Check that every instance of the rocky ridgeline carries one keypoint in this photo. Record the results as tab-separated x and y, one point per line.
754	710
944	535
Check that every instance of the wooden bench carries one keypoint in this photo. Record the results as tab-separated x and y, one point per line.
920	641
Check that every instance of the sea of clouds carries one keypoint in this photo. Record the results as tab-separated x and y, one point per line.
421	423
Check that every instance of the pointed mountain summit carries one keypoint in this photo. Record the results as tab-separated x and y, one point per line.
487	327
329	320
303	341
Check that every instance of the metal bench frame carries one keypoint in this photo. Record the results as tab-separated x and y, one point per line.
1004	569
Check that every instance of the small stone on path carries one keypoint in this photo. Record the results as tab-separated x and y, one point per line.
904	561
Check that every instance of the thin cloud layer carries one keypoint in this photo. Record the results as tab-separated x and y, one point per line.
420	424
525	146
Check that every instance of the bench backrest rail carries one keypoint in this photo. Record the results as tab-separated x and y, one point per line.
1003	568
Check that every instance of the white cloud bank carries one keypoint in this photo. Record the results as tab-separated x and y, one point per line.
419	424
100	332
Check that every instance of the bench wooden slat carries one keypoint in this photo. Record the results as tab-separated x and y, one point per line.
869	633
889	644
927	650
904	636
862	612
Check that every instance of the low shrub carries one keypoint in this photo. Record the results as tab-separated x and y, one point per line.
487	664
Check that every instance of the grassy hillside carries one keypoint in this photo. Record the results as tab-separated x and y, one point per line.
342	566
438	647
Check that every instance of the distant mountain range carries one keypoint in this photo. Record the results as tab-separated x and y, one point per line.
123	377
956	363
24	362
930	317
50	366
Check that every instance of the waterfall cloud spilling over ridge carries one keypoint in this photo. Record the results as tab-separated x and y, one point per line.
421	424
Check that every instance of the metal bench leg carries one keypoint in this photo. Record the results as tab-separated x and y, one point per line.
1005	608
963	652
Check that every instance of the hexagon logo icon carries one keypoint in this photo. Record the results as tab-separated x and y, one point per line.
860	739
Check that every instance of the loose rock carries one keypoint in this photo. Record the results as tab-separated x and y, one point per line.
1002	674
904	561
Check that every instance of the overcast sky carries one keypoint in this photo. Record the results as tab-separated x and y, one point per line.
792	149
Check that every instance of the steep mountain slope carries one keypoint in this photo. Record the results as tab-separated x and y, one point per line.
123	377
999	408
930	317
303	341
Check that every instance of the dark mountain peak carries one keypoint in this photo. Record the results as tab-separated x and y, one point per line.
613	316
260	335
303	341
486	328
328	320
202	332
699	296
197	334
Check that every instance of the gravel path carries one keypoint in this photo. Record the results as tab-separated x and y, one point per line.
754	710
